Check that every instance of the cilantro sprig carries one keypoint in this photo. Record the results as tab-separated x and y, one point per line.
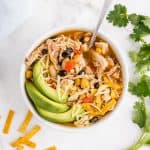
141	58
118	16
141	88
141	24
141	28
141	117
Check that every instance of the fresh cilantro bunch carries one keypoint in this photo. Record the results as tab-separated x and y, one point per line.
142	118
141	24
141	58
141	27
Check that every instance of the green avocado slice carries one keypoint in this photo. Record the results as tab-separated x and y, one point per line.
42	101
65	117
43	87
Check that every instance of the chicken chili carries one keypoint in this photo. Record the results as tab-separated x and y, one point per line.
66	88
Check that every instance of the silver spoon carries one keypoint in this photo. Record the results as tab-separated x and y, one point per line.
89	53
101	17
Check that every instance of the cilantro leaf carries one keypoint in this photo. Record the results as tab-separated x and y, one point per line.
118	16
135	19
141	58
133	56
139	114
139	32
141	26
146	22
144	53
142	88
143	66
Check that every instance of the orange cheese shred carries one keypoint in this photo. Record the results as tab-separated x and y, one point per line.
26	122
109	106
8	121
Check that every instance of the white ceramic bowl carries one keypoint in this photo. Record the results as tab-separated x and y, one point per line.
67	128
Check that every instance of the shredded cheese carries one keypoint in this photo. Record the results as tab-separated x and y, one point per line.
77	94
109	106
26	122
8	121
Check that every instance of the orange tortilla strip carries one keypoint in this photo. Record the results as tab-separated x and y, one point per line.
20	141
26	122
30	144
27	136
8	121
51	148
20	147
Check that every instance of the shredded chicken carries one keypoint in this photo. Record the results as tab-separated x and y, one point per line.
104	46
76	95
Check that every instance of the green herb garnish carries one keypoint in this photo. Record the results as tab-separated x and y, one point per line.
141	24
142	118
141	28
118	16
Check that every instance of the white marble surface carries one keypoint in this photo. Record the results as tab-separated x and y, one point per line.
119	132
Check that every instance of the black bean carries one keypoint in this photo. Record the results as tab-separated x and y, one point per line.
81	72
44	51
60	63
96	77
69	50
96	85
81	40
53	37
65	54
62	73
94	119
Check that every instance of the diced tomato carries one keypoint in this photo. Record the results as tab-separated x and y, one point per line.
88	99
77	51
69	65
93	68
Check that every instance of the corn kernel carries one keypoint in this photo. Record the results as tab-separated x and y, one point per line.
87	39
84	83
98	50
93	91
77	82
28	74
82	96
76	57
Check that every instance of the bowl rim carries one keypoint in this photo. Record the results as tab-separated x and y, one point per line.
119	56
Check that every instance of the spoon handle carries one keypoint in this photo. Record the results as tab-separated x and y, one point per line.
101	17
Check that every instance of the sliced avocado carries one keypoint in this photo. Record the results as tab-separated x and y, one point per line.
65	117
42	101
43	87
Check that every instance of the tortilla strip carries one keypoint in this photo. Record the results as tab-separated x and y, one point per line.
26	122
8	121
